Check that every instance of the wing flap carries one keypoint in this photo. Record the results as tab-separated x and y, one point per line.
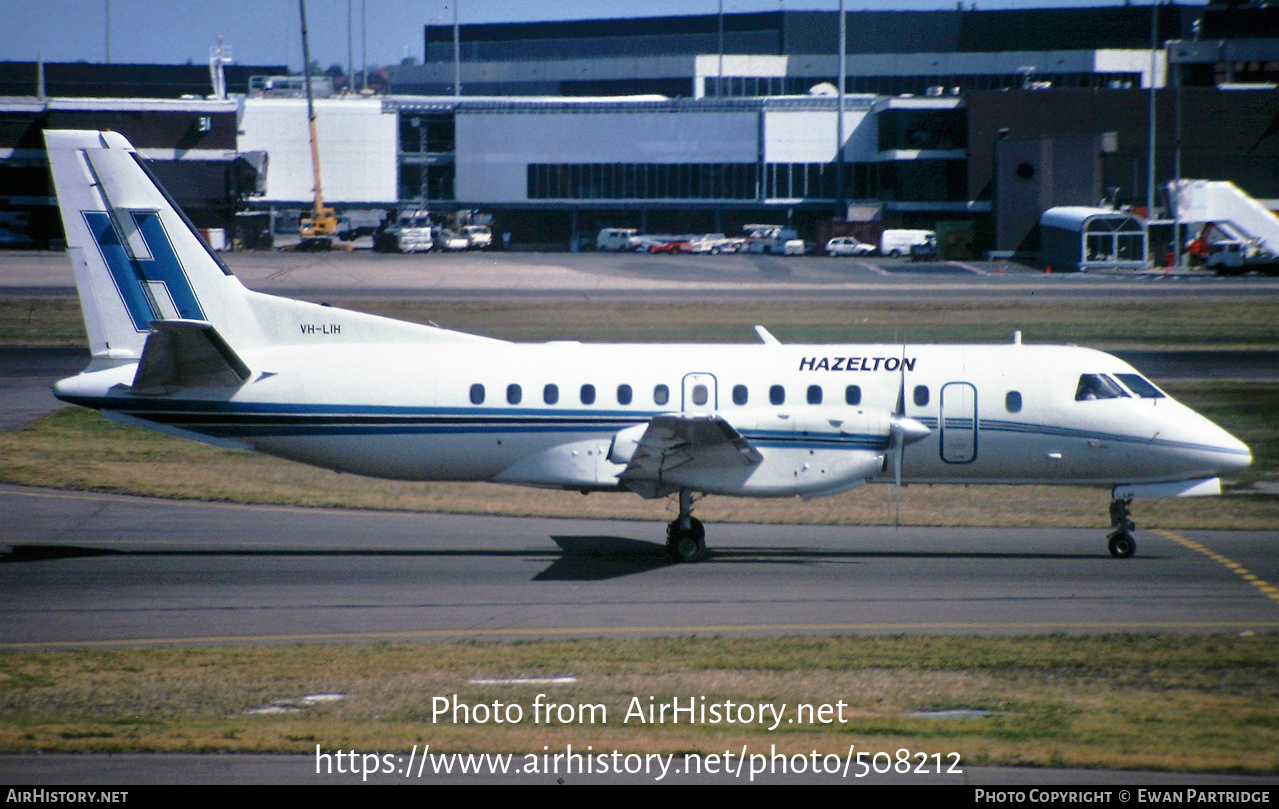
675	441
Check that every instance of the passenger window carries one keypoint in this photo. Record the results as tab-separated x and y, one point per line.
624	394
777	395
514	394
814	394
661	394
1012	401
477	394
588	394
551	394
700	395
921	395
740	396
1141	386
1098	386
853	394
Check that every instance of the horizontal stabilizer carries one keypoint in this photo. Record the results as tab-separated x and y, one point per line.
187	354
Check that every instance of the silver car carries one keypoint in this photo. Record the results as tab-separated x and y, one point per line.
848	246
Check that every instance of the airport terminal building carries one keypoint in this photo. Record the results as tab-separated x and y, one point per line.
704	123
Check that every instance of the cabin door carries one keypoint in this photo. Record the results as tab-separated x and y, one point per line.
958	422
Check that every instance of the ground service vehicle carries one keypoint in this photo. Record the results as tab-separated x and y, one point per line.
617	239
772	239
896	242
408	233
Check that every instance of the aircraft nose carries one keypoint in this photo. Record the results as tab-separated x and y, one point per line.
1230	453
1238	456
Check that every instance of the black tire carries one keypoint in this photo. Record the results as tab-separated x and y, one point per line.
686	545
1122	545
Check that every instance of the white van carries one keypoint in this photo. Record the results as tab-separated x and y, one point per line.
773	239
617	239
901	242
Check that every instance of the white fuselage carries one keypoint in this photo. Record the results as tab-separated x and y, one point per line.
997	413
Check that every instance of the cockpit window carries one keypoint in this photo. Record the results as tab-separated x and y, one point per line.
1098	386
1141	386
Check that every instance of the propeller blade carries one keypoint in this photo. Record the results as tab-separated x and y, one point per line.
905	430
899	451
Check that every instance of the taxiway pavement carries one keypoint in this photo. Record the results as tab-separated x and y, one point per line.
630	276
103	570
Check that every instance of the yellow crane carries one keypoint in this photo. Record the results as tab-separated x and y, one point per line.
318	228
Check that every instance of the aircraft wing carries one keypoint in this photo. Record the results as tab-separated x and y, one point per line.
673	441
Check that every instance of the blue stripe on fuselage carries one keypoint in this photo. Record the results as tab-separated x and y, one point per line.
260	419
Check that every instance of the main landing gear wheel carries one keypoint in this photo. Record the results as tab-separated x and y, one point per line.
1121	543
686	536
686	543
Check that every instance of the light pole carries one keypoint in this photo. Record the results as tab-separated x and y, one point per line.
840	191
1150	168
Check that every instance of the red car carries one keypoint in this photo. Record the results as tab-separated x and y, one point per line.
668	247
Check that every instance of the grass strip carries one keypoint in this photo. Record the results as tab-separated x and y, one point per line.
1177	702
1102	322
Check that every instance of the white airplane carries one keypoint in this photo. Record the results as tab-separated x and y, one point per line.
180	345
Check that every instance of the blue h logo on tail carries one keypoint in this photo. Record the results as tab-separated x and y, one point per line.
140	278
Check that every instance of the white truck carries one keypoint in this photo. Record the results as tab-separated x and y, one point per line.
774	240
356	223
410	233
896	242
617	239
1238	256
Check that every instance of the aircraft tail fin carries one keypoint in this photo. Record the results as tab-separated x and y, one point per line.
143	271
137	258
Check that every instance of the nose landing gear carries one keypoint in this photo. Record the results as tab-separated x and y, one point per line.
685	535
1121	543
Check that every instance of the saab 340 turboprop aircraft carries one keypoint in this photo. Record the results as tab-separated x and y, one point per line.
180	345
